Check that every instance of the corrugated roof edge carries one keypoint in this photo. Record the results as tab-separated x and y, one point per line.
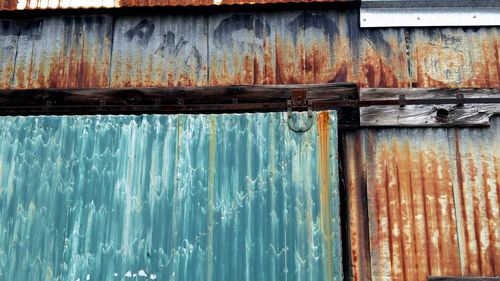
23	5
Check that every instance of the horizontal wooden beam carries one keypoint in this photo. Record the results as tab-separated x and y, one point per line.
217	99
365	107
429	107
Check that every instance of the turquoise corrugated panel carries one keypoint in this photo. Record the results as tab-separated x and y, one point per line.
169	197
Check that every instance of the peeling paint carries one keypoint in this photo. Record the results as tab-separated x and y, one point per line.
188	197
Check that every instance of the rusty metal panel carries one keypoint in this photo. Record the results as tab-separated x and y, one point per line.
286	47
328	48
432	197
242	49
160	51
455	57
162	197
478	194
308	46
124	3
383	58
64	52
354	167
9	33
76	4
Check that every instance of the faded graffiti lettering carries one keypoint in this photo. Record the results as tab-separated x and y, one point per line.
182	49
143	30
226	32
376	39
30	28
308	20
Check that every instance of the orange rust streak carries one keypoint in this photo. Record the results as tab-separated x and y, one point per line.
324	173
407	215
490	250
394	208
450	261
359	237
382	265
496	161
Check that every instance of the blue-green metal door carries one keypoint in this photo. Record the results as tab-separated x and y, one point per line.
169	197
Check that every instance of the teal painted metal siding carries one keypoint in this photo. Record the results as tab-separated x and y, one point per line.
177	197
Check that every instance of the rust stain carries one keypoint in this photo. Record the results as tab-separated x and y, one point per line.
357	204
456	58
8	5
382	61
290	62
432	201
324	173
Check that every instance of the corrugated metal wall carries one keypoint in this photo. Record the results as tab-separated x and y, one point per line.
305	47
432	202
177	197
309	46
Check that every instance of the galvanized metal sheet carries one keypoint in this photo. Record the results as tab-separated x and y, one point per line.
185	197
64	52
432	197
9	33
79	4
160	51
400	13
453	57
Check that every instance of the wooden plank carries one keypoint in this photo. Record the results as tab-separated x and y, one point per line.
160	50
427	115
144	96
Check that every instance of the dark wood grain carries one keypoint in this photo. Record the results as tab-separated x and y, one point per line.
429	107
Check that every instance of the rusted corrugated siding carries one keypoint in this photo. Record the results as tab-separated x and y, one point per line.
383	59
8	47
305	47
433	201
478	192
160	51
11	5
63	52
238	48
455	57
308	46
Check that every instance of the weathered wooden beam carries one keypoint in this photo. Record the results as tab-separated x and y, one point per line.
370	107
217	99
429	107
